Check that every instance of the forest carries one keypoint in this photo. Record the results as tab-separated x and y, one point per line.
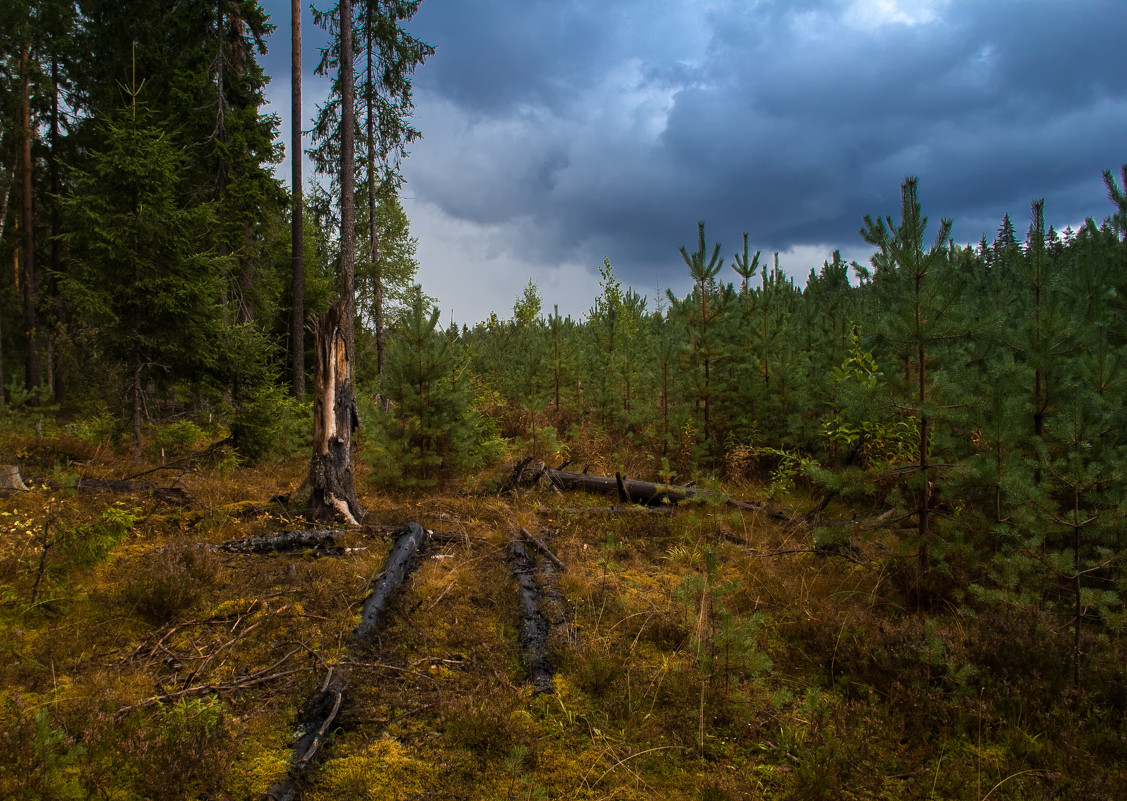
855	538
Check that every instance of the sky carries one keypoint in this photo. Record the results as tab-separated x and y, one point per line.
557	133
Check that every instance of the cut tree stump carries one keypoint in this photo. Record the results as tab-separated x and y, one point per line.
335	418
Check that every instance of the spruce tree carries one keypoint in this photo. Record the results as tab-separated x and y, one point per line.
435	428
143	271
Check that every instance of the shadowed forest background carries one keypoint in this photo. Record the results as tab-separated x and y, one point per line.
926	601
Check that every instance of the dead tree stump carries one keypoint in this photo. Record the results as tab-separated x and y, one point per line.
335	417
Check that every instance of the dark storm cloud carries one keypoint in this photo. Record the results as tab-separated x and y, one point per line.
613	131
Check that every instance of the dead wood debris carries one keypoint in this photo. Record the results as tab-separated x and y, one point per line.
322	713
534	627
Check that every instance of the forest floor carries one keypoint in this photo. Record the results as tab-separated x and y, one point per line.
700	653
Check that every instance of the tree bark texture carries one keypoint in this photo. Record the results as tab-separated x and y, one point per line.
284	541
335	417
297	264
347	179
645	493
373	231
30	295
321	715
401	562
534	626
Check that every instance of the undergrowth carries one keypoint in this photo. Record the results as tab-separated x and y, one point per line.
710	653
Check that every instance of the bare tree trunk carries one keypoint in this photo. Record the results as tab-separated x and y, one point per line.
334	419
30	299
347	180
135	415
297	316
373	232
58	385
3	218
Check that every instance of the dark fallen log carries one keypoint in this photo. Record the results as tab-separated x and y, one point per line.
646	493
553	601
110	485
543	548
172	495
284	541
402	560
320	716
534	626
610	511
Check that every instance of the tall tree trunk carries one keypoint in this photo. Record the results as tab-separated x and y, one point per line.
30	298
57	384
373	233
334	419
297	316
135	413
347	180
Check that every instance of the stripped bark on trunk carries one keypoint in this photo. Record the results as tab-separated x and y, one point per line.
335	417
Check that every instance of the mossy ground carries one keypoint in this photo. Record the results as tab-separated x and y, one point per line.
693	667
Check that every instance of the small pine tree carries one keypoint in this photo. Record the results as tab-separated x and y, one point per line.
922	315
434	429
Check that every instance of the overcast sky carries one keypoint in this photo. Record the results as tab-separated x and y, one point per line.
557	132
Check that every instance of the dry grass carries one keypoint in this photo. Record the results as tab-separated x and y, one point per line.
149	666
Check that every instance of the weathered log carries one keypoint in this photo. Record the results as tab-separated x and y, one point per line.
283	541
321	714
623	491
540	546
112	485
172	495
646	493
403	558
534	626
610	511
335	418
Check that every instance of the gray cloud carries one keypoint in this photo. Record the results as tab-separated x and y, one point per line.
575	129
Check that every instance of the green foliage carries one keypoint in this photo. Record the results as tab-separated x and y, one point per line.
724	647
42	761
270	425
183	750
434	428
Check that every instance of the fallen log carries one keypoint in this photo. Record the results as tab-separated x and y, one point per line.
540	546
553	601
402	560
284	541
610	511
172	495
321	714
646	493
534	626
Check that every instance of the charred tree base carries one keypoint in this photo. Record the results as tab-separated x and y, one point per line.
333	497
335	418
